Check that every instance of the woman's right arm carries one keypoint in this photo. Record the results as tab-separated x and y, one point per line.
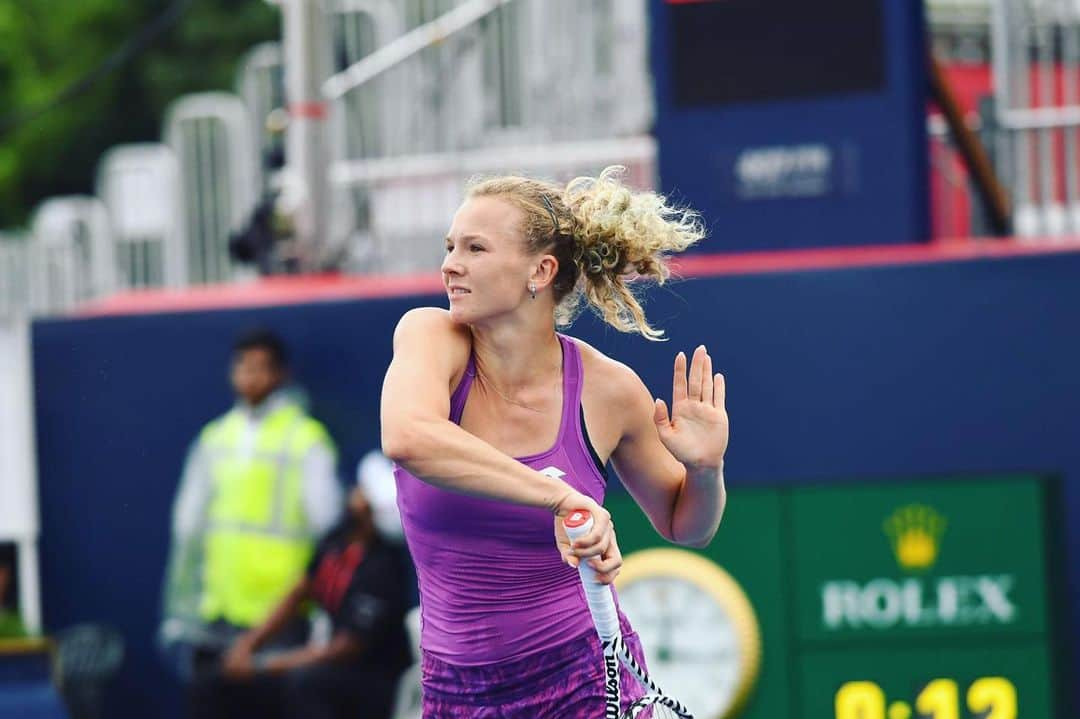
429	350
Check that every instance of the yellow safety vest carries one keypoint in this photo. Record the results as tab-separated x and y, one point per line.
257	543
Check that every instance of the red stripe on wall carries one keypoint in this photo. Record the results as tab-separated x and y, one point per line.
289	290
946	250
264	292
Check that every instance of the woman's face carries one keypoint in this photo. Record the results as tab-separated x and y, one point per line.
486	270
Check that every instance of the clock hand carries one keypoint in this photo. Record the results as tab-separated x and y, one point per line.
699	656
667	630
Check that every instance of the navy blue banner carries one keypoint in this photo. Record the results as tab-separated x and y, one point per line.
791	124
864	373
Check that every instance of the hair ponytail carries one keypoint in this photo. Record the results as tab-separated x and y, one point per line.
604	235
621	235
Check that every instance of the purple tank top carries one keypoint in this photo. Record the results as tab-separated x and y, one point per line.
493	586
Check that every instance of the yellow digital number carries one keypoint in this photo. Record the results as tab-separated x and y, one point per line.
996	695
860	700
989	697
940	700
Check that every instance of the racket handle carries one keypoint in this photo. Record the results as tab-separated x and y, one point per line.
598	596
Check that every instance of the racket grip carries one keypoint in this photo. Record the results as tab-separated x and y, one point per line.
598	596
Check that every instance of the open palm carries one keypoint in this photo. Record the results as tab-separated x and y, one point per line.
696	432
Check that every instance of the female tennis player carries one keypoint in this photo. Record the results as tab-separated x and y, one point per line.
499	424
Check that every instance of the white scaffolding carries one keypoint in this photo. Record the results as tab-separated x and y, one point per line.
210	134
70	253
1036	68
428	93
477	87
140	186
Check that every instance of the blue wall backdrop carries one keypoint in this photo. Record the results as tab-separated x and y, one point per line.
860	373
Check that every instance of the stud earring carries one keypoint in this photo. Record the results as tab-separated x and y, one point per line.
532	289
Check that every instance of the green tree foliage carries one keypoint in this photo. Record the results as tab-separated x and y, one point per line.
47	45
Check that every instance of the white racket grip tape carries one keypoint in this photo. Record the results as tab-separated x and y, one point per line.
598	596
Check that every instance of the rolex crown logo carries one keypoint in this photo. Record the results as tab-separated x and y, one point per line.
914	531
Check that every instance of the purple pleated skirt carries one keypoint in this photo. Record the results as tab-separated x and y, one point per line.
564	682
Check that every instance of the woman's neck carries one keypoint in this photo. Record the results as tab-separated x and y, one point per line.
517	357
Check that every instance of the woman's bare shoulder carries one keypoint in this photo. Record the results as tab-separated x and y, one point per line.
617	383
429	335
433	323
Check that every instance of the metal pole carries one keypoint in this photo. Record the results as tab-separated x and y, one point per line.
306	141
1070	13
19	369
1050	210
974	154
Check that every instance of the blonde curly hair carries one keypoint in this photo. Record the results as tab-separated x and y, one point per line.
603	234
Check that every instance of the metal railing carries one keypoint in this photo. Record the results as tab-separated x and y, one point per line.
412	199
70	257
261	86
499	78
14	276
1036	66
960	29
427	110
432	109
139	185
459	87
210	135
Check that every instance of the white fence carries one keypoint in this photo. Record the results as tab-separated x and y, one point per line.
411	200
210	135
14	276
261	87
18	489
1036	60
497	95
70	259
550	87
960	29
139	185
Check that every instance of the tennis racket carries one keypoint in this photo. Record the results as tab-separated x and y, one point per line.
602	608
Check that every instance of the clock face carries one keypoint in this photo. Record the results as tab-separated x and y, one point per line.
689	641
696	627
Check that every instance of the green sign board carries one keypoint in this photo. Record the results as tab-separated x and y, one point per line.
921	599
941	559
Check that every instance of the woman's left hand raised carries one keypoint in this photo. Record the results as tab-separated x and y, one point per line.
696	433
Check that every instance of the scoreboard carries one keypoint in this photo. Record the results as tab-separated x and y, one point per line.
920	599
793	124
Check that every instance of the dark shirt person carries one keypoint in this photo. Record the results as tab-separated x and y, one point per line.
358	579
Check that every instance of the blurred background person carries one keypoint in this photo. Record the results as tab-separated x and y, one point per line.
11	625
259	488
375	475
265	240
359	579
